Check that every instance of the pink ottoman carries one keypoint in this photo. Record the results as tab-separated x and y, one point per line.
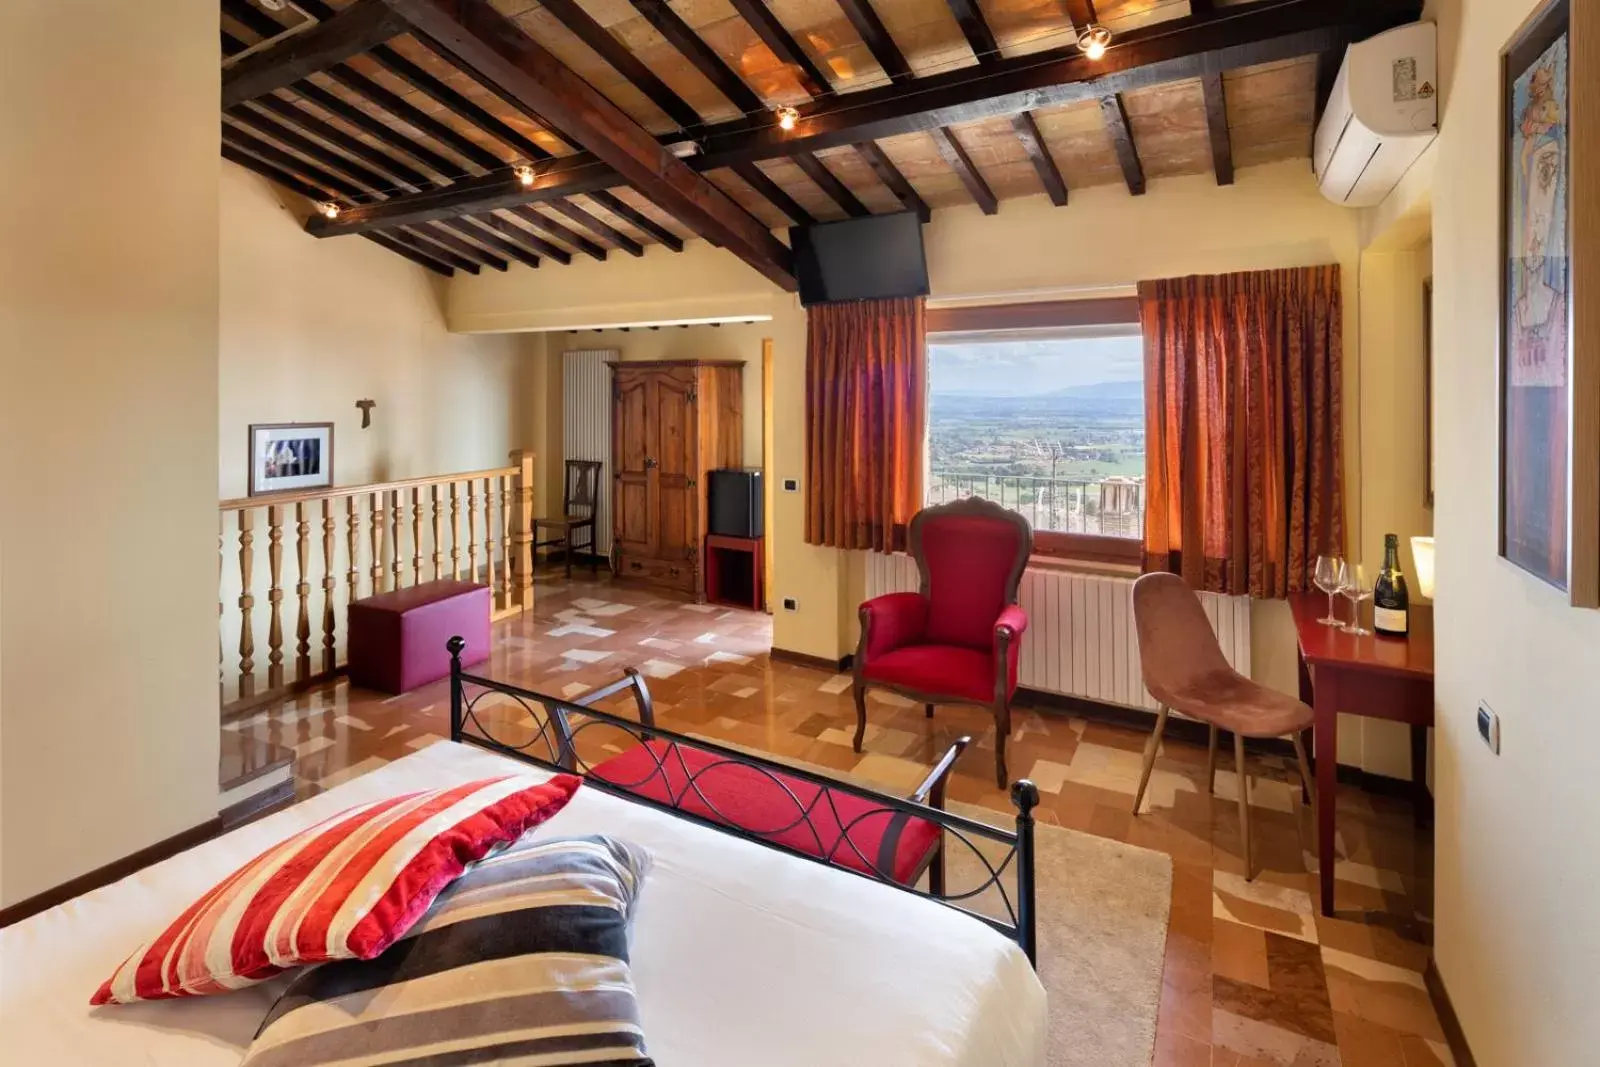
396	640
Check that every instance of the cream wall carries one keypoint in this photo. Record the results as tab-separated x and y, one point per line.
1517	836
108	412
308	327
1272	217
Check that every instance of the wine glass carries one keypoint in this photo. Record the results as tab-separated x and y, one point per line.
1326	578
1355	586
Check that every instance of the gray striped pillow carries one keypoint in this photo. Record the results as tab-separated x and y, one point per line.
523	959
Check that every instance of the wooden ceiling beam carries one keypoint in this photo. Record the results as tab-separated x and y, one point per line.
358	28
447	97
956	156
1081	12
773	193
598	227
513	62
1044	165
293	184
783	45
252	18
600	40
969	16
836	190
522	235
425	240
681	36
491	239
1121	134
1179	49
1217	126
875	35
450	235
560	232
890	176
375	128
371	181
400	173
622	209
406	112
1328	63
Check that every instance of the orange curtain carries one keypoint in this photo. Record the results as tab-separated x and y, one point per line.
866	400
1243	461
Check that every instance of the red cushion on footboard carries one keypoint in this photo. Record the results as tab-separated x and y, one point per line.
397	639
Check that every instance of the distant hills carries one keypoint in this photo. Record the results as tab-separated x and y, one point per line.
1102	391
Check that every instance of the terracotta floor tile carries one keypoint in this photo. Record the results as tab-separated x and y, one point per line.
1244	984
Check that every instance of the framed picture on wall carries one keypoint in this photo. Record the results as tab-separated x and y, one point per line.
1427	392
287	456
1535	307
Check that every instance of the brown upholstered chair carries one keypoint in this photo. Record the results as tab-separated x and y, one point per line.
1185	671
579	501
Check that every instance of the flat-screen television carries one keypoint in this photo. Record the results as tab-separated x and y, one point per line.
871	258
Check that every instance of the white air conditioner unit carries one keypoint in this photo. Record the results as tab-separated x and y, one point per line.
1382	115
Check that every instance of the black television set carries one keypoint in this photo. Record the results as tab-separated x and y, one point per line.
870	258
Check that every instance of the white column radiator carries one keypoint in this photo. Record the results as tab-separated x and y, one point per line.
1081	640
586	425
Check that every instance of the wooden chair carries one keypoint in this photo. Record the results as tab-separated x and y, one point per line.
1185	670
579	501
956	641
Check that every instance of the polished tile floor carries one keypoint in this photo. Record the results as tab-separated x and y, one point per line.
1254	974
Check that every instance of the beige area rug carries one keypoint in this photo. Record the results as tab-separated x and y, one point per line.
1103	908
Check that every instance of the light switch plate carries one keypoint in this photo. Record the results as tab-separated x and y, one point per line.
1489	727
791	604
791	485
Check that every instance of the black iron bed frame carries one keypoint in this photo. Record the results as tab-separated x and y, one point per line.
553	745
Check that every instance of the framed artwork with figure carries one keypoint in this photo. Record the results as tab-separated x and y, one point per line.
1536	291
288	456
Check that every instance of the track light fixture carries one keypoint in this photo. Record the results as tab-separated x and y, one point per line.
524	172
787	117
1094	40
329	209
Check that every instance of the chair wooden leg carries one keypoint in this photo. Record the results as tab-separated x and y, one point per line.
1244	804
1150	747
860	692
1211	761
936	872
1305	771
1002	731
928	710
566	550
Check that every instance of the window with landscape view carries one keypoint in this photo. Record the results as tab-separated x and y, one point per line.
1048	423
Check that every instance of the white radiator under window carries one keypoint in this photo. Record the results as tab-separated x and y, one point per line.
1081	640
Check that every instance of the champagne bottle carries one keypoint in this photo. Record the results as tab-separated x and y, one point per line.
1391	602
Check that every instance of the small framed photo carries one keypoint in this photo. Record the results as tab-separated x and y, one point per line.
287	456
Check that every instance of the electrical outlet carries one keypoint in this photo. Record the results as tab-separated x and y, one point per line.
1489	727
791	485
791	604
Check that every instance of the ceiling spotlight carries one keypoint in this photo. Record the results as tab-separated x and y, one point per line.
684	149
524	172
787	117
1094	40
329	209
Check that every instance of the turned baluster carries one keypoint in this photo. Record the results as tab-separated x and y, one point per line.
329	584
275	597
472	529
524	536
375	505
416	536
505	542
455	532
302	590
438	545
488	535
247	641
353	548
396	567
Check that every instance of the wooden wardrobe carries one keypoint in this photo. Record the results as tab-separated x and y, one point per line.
671	422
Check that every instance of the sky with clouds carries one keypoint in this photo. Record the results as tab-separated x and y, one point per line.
1025	368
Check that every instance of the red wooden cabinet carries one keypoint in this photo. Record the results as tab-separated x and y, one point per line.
734	572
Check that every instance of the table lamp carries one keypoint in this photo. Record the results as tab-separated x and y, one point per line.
1422	554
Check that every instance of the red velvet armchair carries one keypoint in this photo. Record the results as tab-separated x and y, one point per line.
956	641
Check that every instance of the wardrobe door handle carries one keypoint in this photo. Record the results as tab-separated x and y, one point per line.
649	462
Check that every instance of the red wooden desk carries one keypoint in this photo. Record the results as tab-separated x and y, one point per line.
1380	677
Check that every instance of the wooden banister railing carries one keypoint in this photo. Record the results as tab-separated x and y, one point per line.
422	515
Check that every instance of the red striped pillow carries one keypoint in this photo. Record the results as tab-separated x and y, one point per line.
343	889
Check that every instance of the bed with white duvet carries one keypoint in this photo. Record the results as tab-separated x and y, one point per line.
742	955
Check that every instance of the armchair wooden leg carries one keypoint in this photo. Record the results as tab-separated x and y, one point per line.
1150	747
566	549
1244	804
1305	772
1211	761
1002	731
860	692
928	710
